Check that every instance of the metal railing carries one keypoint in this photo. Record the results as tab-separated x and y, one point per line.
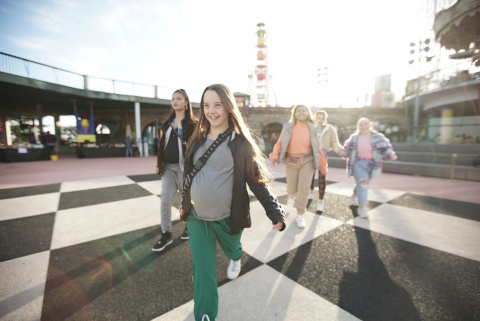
34	70
453	74
30	69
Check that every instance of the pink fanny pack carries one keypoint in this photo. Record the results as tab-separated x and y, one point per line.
296	159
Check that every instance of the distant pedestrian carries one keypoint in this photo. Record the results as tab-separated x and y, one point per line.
329	141
300	147
216	206
177	130
365	149
128	146
145	146
32	139
50	141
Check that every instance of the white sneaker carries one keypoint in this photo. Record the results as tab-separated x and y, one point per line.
291	202
205	317
320	206
363	212
234	269
354	199
300	221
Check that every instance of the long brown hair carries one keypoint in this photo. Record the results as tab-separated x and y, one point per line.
255	162
189	116
294	109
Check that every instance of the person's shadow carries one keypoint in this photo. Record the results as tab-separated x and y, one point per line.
370	293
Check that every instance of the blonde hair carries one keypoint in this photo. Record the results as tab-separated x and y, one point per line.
362	119
324	113
294	109
255	162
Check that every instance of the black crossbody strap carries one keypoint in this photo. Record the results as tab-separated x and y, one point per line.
175	134
187	182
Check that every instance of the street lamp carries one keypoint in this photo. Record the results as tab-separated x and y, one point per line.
322	77
417	91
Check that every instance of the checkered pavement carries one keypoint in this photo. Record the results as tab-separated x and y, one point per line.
81	250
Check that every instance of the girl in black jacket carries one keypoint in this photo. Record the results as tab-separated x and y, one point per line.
177	130
216	207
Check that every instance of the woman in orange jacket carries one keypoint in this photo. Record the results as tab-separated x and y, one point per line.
299	146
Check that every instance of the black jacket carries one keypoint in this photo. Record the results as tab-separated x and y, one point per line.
188	127
240	208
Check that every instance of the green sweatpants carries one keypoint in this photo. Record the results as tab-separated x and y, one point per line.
203	236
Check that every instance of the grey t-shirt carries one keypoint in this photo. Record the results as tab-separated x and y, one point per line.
212	187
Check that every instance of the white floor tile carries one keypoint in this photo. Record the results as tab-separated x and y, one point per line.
22	286
278	188
374	194
438	231
154	187
276	297
12	208
95	183
78	225
182	313
266	244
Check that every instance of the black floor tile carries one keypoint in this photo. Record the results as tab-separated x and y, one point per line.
376	277
29	191
100	195
25	236
120	278
460	209
144	178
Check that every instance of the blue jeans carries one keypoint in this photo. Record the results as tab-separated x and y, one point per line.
362	171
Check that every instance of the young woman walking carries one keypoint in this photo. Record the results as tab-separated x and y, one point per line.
215	202
300	147
177	130
329	141
365	149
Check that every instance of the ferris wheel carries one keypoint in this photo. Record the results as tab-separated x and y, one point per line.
261	80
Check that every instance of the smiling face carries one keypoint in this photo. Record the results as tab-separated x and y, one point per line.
215	111
364	126
301	114
178	101
320	118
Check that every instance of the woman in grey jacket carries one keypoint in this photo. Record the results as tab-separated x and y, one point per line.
216	208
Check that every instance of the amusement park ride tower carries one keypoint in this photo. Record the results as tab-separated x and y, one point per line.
261	86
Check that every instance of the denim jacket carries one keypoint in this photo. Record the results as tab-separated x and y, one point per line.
380	146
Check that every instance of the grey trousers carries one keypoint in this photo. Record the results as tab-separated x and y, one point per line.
172	180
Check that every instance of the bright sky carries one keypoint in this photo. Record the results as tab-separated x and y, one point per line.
191	44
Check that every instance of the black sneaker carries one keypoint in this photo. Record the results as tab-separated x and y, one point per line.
184	234
165	240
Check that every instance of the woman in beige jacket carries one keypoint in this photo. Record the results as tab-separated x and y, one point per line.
329	141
